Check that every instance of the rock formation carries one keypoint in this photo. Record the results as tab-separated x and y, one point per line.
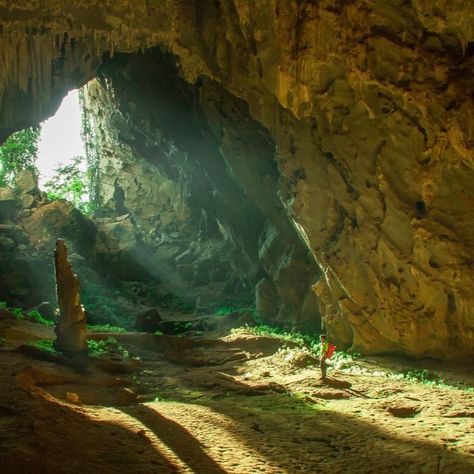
369	110
71	329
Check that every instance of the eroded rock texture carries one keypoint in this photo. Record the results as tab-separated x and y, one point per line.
369	107
197	176
71	329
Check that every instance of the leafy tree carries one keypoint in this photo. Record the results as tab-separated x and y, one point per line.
72	183
89	138
19	152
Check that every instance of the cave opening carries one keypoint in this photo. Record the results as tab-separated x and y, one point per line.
169	203
305	162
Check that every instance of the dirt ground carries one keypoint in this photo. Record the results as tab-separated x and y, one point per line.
232	404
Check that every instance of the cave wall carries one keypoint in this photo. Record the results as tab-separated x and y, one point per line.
198	177
369	105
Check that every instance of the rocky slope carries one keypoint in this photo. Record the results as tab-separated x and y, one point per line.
368	105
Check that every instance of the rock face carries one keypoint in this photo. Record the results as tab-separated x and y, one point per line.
200	208
71	330
369	110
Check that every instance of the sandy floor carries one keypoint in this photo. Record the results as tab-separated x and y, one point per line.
238	404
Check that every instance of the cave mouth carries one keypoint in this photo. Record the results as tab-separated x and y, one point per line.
183	207
60	139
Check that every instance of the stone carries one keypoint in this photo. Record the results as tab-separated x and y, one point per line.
148	321
8	204
47	310
59	219
267	300
27	201
71	328
26	182
15	232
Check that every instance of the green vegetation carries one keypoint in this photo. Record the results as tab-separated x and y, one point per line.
45	345
98	348
105	328
308	342
89	139
70	182
19	313
36	316
18	153
226	310
102	307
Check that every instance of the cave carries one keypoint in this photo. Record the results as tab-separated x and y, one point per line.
262	173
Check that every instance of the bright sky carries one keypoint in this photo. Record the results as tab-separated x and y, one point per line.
60	137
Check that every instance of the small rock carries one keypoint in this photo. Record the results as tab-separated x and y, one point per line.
47	310
148	321
27	201
404	411
72	397
26	182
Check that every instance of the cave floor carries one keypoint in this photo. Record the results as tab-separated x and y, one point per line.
232	404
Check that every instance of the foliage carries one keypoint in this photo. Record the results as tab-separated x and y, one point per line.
309	342
70	182
89	139
226	310
3	305
105	328
18	153
45	345
98	348
38	318
102	306
17	312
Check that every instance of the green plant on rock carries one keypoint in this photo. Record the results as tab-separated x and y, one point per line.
70	182
18	153
226	310
17	312
105	328
101	347
38	318
45	345
102	307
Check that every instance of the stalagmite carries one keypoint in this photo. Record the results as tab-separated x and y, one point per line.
71	327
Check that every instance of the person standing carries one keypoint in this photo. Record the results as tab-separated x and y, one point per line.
325	352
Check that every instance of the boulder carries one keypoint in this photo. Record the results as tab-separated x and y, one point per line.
26	182
60	219
267	300
14	232
47	310
148	321
8	204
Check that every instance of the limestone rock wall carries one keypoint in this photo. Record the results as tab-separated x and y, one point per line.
175	159
369	105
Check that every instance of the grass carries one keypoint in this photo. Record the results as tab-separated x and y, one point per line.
226	310
20	315
99	348
105	328
38	318
45	345
310	342
426	377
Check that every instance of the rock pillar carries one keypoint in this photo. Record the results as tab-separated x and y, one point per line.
71	328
